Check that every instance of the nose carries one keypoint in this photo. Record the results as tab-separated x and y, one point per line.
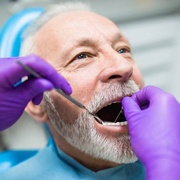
116	67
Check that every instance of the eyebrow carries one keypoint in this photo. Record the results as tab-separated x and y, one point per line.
118	37
91	42
84	42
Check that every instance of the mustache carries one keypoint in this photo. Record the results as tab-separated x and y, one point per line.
112	91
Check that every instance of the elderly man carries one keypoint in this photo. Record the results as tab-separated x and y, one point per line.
90	52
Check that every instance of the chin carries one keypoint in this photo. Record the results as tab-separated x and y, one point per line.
117	149
113	146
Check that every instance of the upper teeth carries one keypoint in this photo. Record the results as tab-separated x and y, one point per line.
112	103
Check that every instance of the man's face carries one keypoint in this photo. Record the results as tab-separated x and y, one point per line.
95	58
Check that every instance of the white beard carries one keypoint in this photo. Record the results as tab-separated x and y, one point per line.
82	133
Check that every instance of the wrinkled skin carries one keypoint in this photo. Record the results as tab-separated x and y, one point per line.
93	55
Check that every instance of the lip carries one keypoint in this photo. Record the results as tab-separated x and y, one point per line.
112	129
116	100
99	120
117	129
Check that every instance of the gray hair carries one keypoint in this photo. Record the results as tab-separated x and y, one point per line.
28	45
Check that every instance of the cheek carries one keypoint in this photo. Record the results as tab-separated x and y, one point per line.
83	84
66	109
82	89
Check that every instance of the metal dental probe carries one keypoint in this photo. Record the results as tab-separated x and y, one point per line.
77	103
70	98
121	111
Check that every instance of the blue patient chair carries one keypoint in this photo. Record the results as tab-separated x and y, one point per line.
11	32
10	42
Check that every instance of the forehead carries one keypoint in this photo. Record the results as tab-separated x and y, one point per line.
83	18
72	28
79	23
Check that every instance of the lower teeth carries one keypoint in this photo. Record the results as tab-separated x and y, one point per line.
115	124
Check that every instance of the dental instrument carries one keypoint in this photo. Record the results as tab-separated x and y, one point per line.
70	98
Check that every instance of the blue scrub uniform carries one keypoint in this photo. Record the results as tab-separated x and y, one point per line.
49	164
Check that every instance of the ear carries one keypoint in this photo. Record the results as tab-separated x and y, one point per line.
37	112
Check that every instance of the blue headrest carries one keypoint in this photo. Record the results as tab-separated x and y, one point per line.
11	32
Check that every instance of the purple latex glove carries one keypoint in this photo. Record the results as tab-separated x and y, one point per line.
13	100
154	124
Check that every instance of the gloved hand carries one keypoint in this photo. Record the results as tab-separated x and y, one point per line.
13	100
154	124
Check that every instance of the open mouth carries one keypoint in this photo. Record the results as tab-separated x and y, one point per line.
112	114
